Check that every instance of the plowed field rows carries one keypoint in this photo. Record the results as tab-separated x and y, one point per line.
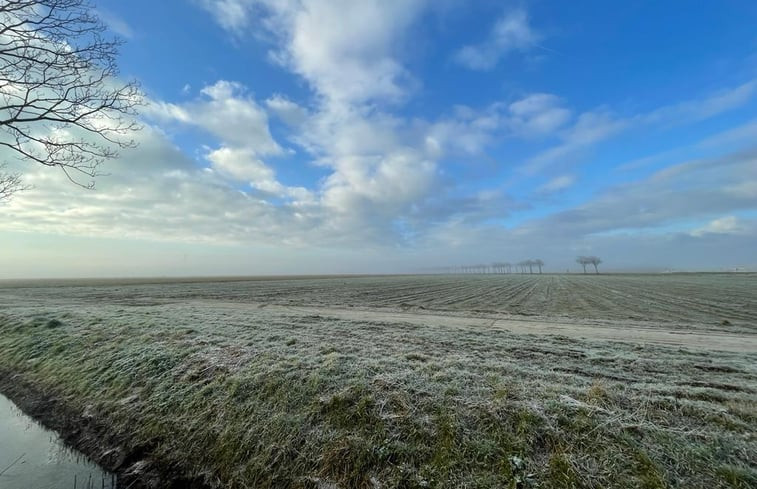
726	302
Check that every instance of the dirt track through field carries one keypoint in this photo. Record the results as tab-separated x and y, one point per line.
597	330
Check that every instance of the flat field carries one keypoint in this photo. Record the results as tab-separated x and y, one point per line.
398	381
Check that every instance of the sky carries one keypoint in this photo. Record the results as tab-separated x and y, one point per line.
398	136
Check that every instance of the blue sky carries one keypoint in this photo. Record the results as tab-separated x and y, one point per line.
318	136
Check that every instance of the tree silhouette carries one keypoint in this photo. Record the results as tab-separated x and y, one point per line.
589	260
595	260
61	104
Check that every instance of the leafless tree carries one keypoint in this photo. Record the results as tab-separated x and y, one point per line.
594	260
583	261
539	264
589	260
61	103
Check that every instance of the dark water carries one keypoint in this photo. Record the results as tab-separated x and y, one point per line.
32	457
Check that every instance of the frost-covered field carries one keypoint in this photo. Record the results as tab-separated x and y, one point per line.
428	381
686	300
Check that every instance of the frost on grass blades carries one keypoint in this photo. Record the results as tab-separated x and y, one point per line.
430	381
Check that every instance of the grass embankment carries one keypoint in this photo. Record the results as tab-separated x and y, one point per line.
246	400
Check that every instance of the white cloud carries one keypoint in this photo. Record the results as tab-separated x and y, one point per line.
722	225
538	114
512	32
242	165
588	129
699	109
470	131
233	15
156	192
116	24
286	110
598	125
693	190
226	111
734	136
346	50
350	54
558	183
745	189
383	168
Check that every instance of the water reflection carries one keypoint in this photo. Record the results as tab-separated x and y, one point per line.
32	457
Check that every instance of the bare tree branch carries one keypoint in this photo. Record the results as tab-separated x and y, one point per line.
61	103
10	183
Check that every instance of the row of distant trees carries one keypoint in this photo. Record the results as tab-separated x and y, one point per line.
525	266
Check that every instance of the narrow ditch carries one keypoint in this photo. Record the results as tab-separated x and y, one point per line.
32	456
